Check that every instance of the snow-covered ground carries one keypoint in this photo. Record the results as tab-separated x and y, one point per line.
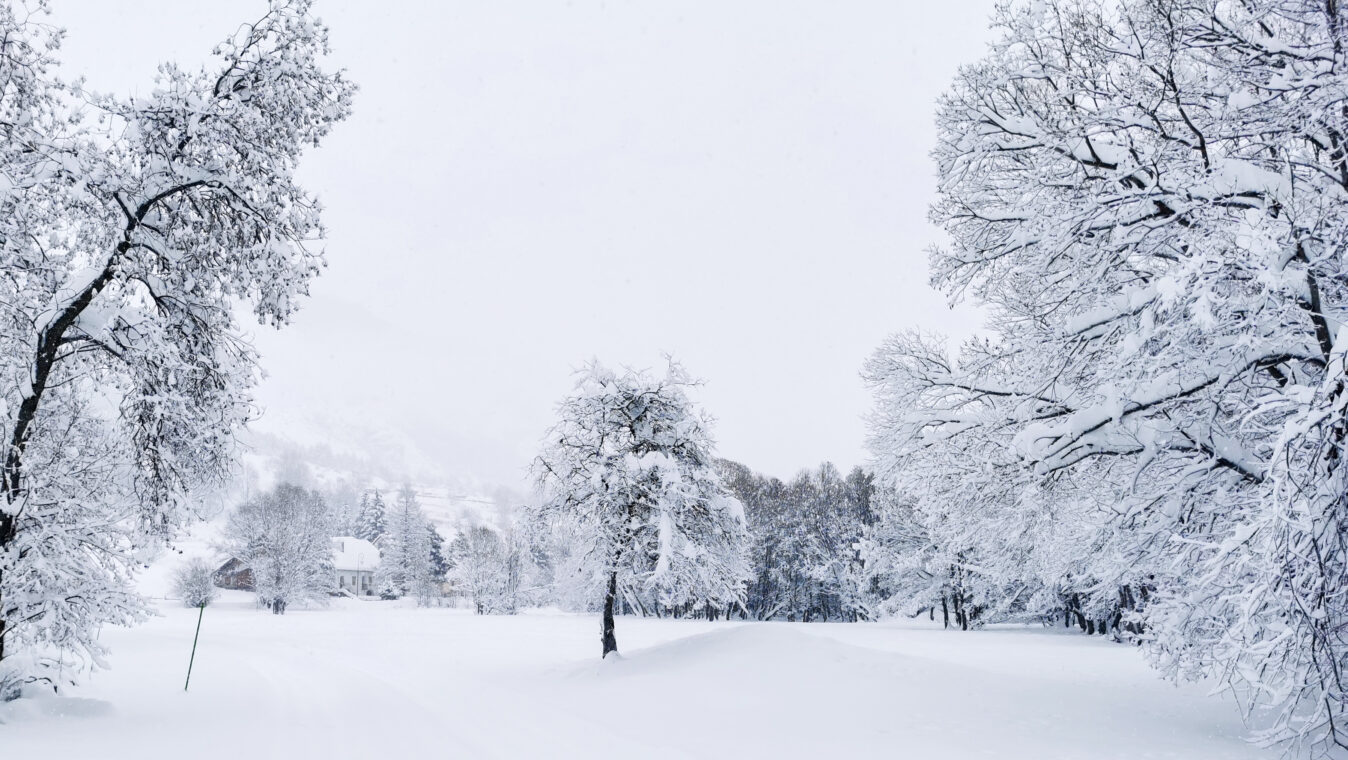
373	679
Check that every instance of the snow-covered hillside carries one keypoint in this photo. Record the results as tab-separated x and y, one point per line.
317	452
375	679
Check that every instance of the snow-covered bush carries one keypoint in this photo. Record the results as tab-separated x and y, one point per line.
194	583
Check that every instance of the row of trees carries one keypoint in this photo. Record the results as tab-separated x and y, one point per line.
1150	197
639	517
804	537
284	538
642	519
801	549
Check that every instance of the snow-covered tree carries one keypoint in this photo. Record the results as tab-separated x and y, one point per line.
406	555
344	502
486	567
803	542
1149	198
370	518
127	228
284	538
439	564
194	582
555	563
629	463
985	535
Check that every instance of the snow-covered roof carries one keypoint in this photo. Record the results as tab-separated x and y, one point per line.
351	553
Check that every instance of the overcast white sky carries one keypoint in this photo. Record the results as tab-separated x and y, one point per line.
524	186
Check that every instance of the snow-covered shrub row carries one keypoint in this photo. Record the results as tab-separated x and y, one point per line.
127	228
1151	199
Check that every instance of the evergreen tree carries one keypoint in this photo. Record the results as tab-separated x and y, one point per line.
405	565
345	505
439	562
370	518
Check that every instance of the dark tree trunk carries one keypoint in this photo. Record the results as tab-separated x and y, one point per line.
606	626
49	342
945	612
6	535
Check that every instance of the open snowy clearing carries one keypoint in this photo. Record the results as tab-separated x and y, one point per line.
369	679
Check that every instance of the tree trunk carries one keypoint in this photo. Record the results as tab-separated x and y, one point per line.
7	525
945	613
606	626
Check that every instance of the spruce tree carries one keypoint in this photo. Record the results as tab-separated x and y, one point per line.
370	521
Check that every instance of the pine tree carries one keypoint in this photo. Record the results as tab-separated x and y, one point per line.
439	562
405	565
370	518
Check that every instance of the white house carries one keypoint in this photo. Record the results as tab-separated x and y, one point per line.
354	560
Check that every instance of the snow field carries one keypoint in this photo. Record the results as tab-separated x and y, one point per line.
373	679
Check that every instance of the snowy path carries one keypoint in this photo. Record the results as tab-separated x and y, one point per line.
364	680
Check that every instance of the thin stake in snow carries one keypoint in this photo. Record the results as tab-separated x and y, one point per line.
201	610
